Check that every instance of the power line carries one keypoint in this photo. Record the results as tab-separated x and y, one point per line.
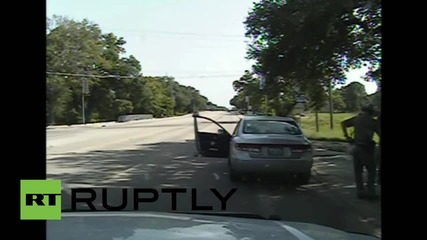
131	77
178	33
209	76
196	73
87	75
187	36
107	29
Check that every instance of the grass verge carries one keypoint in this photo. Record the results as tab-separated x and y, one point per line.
325	133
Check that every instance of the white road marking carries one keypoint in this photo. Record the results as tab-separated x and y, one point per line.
125	173
216	176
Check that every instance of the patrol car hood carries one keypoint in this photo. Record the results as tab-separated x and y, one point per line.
162	226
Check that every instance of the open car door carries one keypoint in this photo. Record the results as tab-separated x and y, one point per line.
210	144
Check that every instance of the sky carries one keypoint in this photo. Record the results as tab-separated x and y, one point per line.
198	42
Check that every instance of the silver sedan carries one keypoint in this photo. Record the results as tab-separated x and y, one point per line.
260	144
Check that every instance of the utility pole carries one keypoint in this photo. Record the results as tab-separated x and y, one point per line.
51	105
317	119
300	101
171	92
331	107
262	83
85	90
247	104
266	104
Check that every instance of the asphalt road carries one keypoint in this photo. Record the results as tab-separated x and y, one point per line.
160	153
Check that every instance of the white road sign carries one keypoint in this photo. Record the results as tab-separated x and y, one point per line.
85	86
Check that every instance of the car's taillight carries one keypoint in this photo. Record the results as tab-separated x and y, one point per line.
248	147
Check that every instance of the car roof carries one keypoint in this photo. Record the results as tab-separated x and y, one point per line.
268	118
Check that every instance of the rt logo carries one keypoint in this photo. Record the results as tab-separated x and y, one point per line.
40	199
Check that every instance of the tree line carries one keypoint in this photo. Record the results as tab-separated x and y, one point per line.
116	85
305	48
348	98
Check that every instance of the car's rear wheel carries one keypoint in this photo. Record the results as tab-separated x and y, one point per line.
303	178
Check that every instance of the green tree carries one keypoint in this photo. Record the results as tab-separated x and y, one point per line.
338	100
309	44
80	47
355	96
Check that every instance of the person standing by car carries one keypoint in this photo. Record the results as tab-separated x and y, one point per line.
363	152
379	151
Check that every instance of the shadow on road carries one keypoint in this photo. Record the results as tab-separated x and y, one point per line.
331	170
151	165
173	165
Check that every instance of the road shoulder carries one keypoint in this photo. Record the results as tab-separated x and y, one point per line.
334	168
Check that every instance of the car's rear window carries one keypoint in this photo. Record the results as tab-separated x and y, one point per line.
270	127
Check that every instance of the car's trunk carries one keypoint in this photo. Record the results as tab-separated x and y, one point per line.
274	146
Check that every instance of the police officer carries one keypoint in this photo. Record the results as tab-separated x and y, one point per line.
363	153
379	152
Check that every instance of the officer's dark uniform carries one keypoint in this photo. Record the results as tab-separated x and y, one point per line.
364	149
379	152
